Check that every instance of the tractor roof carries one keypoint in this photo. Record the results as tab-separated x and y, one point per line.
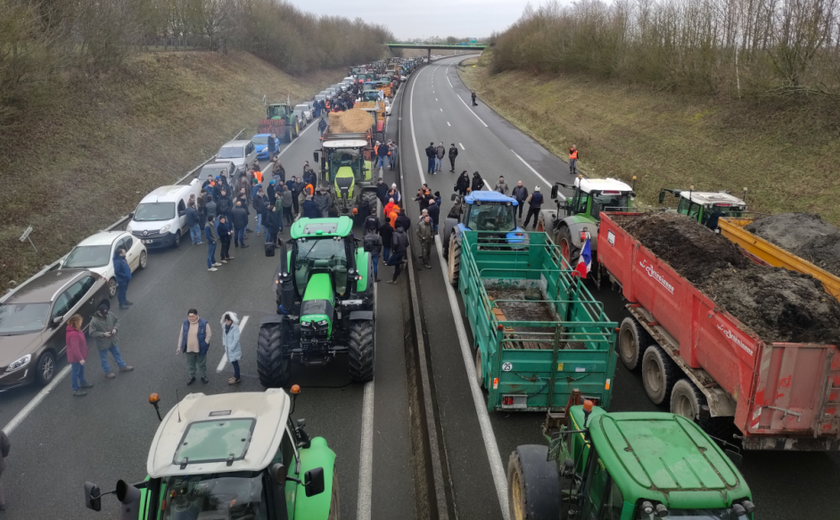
222	433
346	143
488	196
666	457
708	198
322	227
608	184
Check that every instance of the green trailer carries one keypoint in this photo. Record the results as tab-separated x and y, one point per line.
538	333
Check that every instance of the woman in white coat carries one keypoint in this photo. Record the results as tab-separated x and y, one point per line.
230	340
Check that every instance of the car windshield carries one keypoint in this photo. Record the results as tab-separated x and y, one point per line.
696	514
88	256
229	495
231	152
609	201
278	111
302	107
492	217
727	211
260	140
23	318
152	211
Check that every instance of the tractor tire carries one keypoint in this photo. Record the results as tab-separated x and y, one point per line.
567	247
335	503
362	353
633	340
272	365
369	199
659	373
533	484
454	260
686	399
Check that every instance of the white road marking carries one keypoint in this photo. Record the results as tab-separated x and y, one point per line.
471	111
310	125
224	360
441	110
549	184
447	124
497	469
489	188
364	501
447	80
31	405
462	146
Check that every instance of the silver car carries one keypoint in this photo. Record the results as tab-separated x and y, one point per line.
242	153
304	113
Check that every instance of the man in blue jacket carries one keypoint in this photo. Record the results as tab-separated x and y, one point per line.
122	272
194	341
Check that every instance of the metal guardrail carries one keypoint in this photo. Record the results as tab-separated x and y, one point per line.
119	224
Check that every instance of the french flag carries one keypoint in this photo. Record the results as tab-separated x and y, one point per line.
584	264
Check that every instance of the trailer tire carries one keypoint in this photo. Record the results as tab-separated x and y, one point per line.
686	399
533	484
273	366
632	342
567	247
454	260
479	372
659	373
361	352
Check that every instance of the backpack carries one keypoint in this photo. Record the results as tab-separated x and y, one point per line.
371	223
370	243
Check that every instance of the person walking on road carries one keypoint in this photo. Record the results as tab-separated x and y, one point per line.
386	232
402	221
76	354
399	246
520	193
382	154
477	182
434	213
104	328
440	153
472	96
392	154
372	222
453	153
462	185
322	125
122	272
211	237
194	341
394	193
425	233
240	222
430	155
573	158
382	191
230	341
5	446
502	186
193	221
535	203
224	231
373	244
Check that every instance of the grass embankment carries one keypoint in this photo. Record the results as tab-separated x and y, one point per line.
92	149
787	153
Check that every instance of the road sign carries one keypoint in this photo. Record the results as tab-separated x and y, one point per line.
25	234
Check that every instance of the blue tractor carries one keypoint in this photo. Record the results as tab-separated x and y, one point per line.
488	211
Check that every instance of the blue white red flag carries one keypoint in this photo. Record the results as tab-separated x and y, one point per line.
585	260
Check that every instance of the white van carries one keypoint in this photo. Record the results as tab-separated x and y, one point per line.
159	220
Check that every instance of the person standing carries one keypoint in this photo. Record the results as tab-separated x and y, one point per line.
76	353
426	235
193	220
520	193
477	182
224	205
472	96
287	203
373	244
385	233
273	224
104	327
392	153
122	272
324	200
399	246
194	341
440	153
224	231
372	222
310	209
211	237
240	222
573	158
5	446
202	213
382	154
434	213
382	191
462	185
535	203
502	186
260	203
272	147
453	153
230	341
210	209
322	125
430	155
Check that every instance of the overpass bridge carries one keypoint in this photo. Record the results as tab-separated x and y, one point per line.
444	46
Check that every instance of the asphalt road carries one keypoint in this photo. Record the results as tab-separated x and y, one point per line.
65	440
785	485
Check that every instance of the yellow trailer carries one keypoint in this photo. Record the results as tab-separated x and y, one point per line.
771	254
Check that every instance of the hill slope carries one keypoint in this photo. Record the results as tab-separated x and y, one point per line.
95	147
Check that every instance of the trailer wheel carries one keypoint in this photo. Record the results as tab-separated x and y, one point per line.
533	484
686	399
567	248
632	342
273	366
361	351
479	372
454	260
658	374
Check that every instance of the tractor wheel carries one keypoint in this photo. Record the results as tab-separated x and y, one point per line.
297	129
686	399
454	260
369	199
567	248
533	484
272	365
479	370
659	373
541	223
632	342
361	351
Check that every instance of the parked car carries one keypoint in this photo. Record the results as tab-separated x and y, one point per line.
261	144
387	108
33	320
159	220
304	113
242	153
320	97
96	253
215	169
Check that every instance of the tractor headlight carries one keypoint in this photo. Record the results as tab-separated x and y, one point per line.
19	363
322	324
306	324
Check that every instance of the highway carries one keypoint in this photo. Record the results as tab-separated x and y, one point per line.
60	441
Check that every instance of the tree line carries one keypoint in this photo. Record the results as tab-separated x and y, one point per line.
44	40
731	47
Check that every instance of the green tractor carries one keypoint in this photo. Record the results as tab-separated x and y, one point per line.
281	121
706	207
626	466
582	213
325	303
346	169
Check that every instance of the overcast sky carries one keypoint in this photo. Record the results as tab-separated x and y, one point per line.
426	18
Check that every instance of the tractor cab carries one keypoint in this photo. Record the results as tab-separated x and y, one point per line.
489	211
278	111
321	257
707	207
344	167
592	196
370	93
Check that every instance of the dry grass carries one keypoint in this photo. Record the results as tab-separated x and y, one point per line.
785	153
90	152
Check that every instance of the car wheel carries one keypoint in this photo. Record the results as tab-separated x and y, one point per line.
177	239
144	259
46	368
112	287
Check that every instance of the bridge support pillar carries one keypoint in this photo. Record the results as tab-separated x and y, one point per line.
429	55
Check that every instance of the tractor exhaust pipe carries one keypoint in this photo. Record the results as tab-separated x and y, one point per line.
285	285
129	497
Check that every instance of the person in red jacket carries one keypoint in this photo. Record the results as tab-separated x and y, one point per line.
76	354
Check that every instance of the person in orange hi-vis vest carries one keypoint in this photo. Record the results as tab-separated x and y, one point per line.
573	158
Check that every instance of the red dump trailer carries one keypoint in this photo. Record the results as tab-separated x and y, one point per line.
710	366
